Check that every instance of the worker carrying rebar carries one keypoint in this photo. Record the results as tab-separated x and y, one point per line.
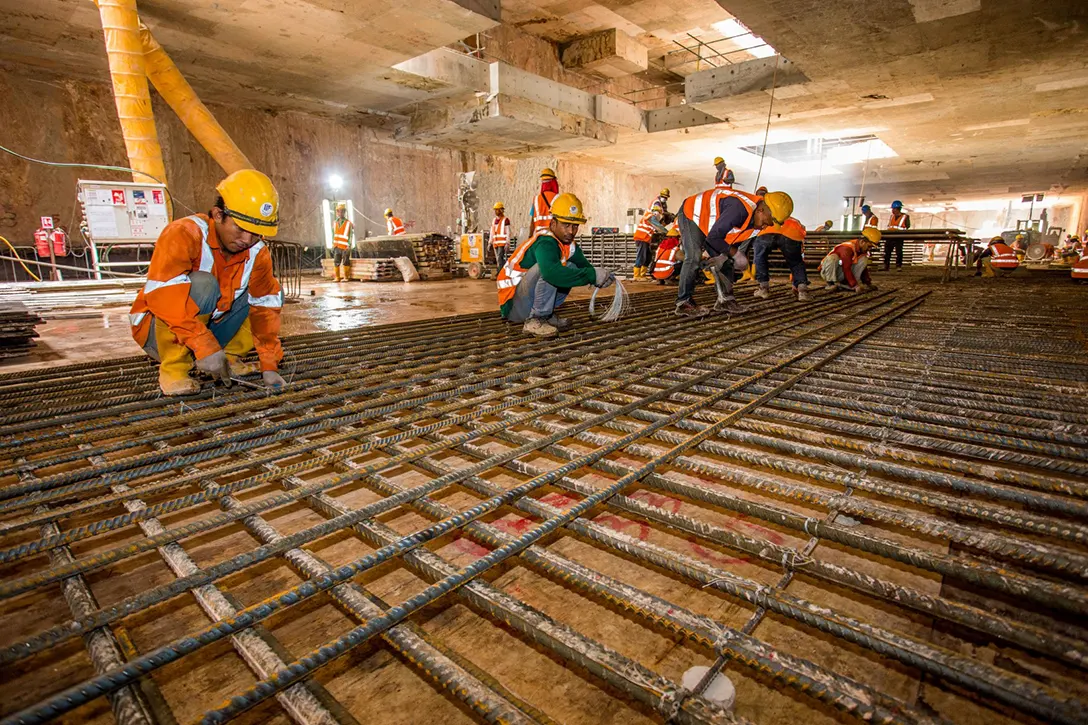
500	233
541	214
871	219
897	222
723	177
996	255
394	227
343	239
542	270
846	266
789	238
719	220
653	222
210	292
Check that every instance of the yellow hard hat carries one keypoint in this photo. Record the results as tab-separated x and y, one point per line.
389	212
829	222
547	173
251	201
872	234
664	192
780	204
718	160
341	205
568	208
998	239
674	231
499	205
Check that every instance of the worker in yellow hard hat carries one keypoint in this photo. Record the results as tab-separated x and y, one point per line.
343	239
652	225
541	214
210	294
394	227
723	177
825	227
542	270
846	266
718	221
500	233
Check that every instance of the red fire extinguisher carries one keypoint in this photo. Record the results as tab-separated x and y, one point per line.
60	243
41	242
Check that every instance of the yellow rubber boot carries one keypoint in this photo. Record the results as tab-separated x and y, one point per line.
749	274
347	273
987	268
709	276
336	273
239	346
175	362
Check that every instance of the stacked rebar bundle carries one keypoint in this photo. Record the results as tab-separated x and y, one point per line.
867	507
17	331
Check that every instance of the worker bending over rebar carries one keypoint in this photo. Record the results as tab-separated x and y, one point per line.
539	275
210	292
846	267
789	238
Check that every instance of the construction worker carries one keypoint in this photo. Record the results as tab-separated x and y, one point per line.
394	227
897	222
723	177
210	292
343	239
789	237
719	220
500	233
825	227
847	265
1080	267
996	255
669	257
652	222
540	273
871	219
541	214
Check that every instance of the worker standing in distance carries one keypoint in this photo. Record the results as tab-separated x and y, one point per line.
723	177
789	238
394	227
872	221
652	222
825	227
542	270
719	220
897	222
500	233
996	255
343	239
210	292
847	265
541	214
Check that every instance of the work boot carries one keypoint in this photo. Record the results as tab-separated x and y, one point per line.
749	274
336	273
239	346
802	293
347	273
560	323
690	309
539	328
175	362
709	276
764	291
729	306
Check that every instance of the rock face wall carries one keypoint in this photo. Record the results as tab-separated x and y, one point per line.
75	121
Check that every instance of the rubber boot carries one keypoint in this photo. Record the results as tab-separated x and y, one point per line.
347	273
749	274
239	346
336	273
175	362
987	269
764	291
709	276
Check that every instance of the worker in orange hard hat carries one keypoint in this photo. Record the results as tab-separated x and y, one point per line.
500	233
541	215
210	295
846	266
394	227
540	273
343	239
718	221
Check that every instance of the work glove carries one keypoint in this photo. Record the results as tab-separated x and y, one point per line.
216	366
272	379
605	278
716	263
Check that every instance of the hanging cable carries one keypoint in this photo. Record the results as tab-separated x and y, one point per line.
770	111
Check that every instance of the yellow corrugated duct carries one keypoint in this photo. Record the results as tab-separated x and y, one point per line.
177	92
121	27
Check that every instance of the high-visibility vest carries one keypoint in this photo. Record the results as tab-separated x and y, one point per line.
341	234
394	226
791	229
853	245
873	222
542	211
644	232
512	272
1003	257
703	210
665	260
898	222
500	231
660	206
1080	269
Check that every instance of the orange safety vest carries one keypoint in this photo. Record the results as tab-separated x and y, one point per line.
1080	269
666	259
500	231
791	229
512	272
1003	256
394	226
542	211
873	222
660	205
703	210
341	234
644	232
898	222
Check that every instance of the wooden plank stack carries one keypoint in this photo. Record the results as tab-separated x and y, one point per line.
434	256
17	331
375	270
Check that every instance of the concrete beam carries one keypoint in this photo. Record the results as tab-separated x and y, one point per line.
517	83
738	79
674	117
618	113
609	53
442	74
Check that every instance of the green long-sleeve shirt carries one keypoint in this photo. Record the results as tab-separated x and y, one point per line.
545	252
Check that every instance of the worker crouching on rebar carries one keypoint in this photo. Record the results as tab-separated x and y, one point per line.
846	267
789	238
210	292
540	273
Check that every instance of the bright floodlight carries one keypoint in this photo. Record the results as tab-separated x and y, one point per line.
336	182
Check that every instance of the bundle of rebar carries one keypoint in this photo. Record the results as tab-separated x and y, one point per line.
869	507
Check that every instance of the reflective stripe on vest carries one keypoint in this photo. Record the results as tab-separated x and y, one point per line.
207	261
665	262
899	222
341	236
644	232
243	287
394	226
703	210
512	272
873	222
500	231
542	210
1003	257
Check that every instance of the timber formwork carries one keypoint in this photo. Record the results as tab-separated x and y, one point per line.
868	507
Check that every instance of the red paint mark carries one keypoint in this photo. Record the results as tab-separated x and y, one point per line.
470	547
515	525
657	500
559	500
642	531
715	557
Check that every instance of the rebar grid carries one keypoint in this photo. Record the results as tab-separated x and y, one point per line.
744	452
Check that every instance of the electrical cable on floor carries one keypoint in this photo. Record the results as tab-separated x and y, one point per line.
767	130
